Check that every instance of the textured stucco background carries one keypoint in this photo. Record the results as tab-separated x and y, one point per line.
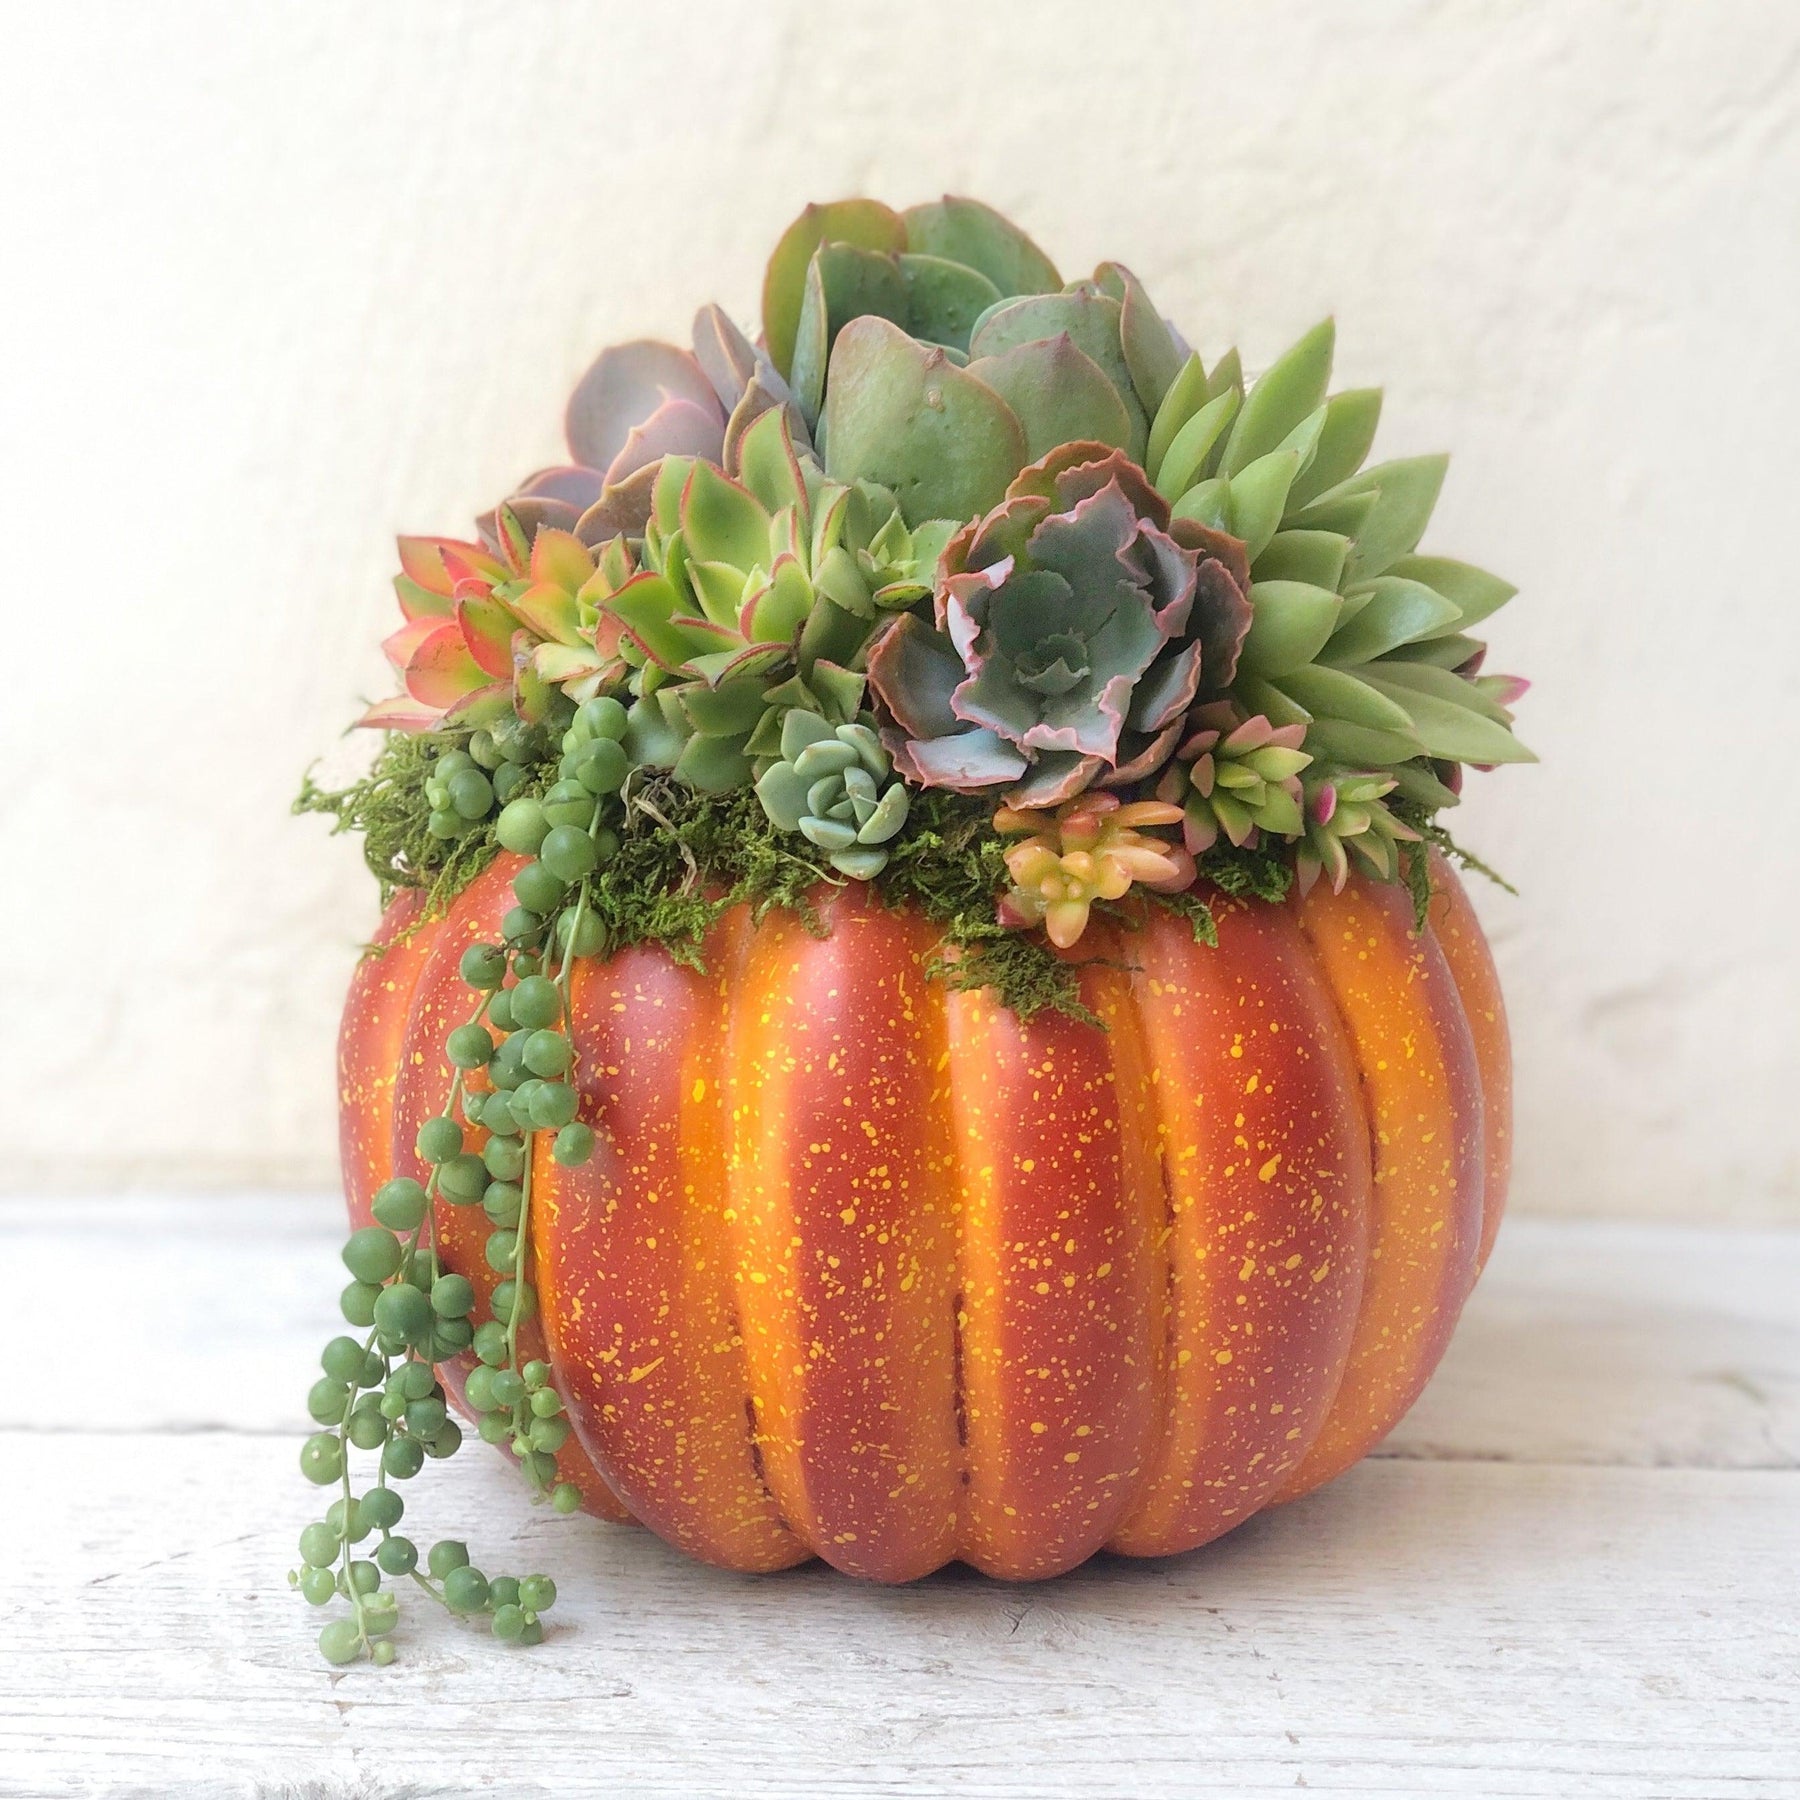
282	279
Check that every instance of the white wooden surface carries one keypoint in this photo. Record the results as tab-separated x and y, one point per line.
1573	1572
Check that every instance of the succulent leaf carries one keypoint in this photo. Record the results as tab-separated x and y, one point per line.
1293	386
1291	623
943	298
627	386
902	415
1057	393
967	232
1349	431
864	224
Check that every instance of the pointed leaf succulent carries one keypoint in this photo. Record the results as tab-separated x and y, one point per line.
1236	778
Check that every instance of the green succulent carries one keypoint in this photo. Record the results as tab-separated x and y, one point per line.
1235	778
834	785
758	594
1345	817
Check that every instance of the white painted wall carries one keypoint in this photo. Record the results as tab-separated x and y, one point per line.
282	279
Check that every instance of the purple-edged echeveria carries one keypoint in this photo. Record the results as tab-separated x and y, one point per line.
637	403
1091	848
1235	777
1075	626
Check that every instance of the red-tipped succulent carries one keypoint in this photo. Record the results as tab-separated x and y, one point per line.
487	633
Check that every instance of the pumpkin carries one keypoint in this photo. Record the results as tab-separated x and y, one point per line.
869	1269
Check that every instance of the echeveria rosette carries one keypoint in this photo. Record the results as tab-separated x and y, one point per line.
642	401
834	785
1074	627
1091	848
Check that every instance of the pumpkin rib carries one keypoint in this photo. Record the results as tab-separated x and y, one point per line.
1404	1019
635	1281
1060	1274
371	1046
1265	1146
844	1221
1454	924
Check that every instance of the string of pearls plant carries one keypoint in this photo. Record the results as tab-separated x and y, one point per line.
511	1059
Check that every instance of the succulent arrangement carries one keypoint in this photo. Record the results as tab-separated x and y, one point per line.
973	585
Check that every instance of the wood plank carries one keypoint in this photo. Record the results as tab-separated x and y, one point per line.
1586	1342
1419	1628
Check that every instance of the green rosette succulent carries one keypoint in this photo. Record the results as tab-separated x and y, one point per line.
833	784
757	594
1074	627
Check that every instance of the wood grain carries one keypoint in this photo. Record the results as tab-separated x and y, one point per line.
1573	1571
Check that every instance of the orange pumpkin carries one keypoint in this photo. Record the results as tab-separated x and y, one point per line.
870	1270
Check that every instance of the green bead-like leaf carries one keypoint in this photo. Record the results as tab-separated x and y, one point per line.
1291	624
1293	387
902	415
1057	393
1350	421
965	231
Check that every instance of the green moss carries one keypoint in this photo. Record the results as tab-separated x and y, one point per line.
389	808
1415	864
685	858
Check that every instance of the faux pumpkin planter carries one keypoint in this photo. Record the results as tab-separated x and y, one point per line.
871	1270
923	1011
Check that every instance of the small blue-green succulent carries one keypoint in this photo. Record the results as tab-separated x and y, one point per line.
834	785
